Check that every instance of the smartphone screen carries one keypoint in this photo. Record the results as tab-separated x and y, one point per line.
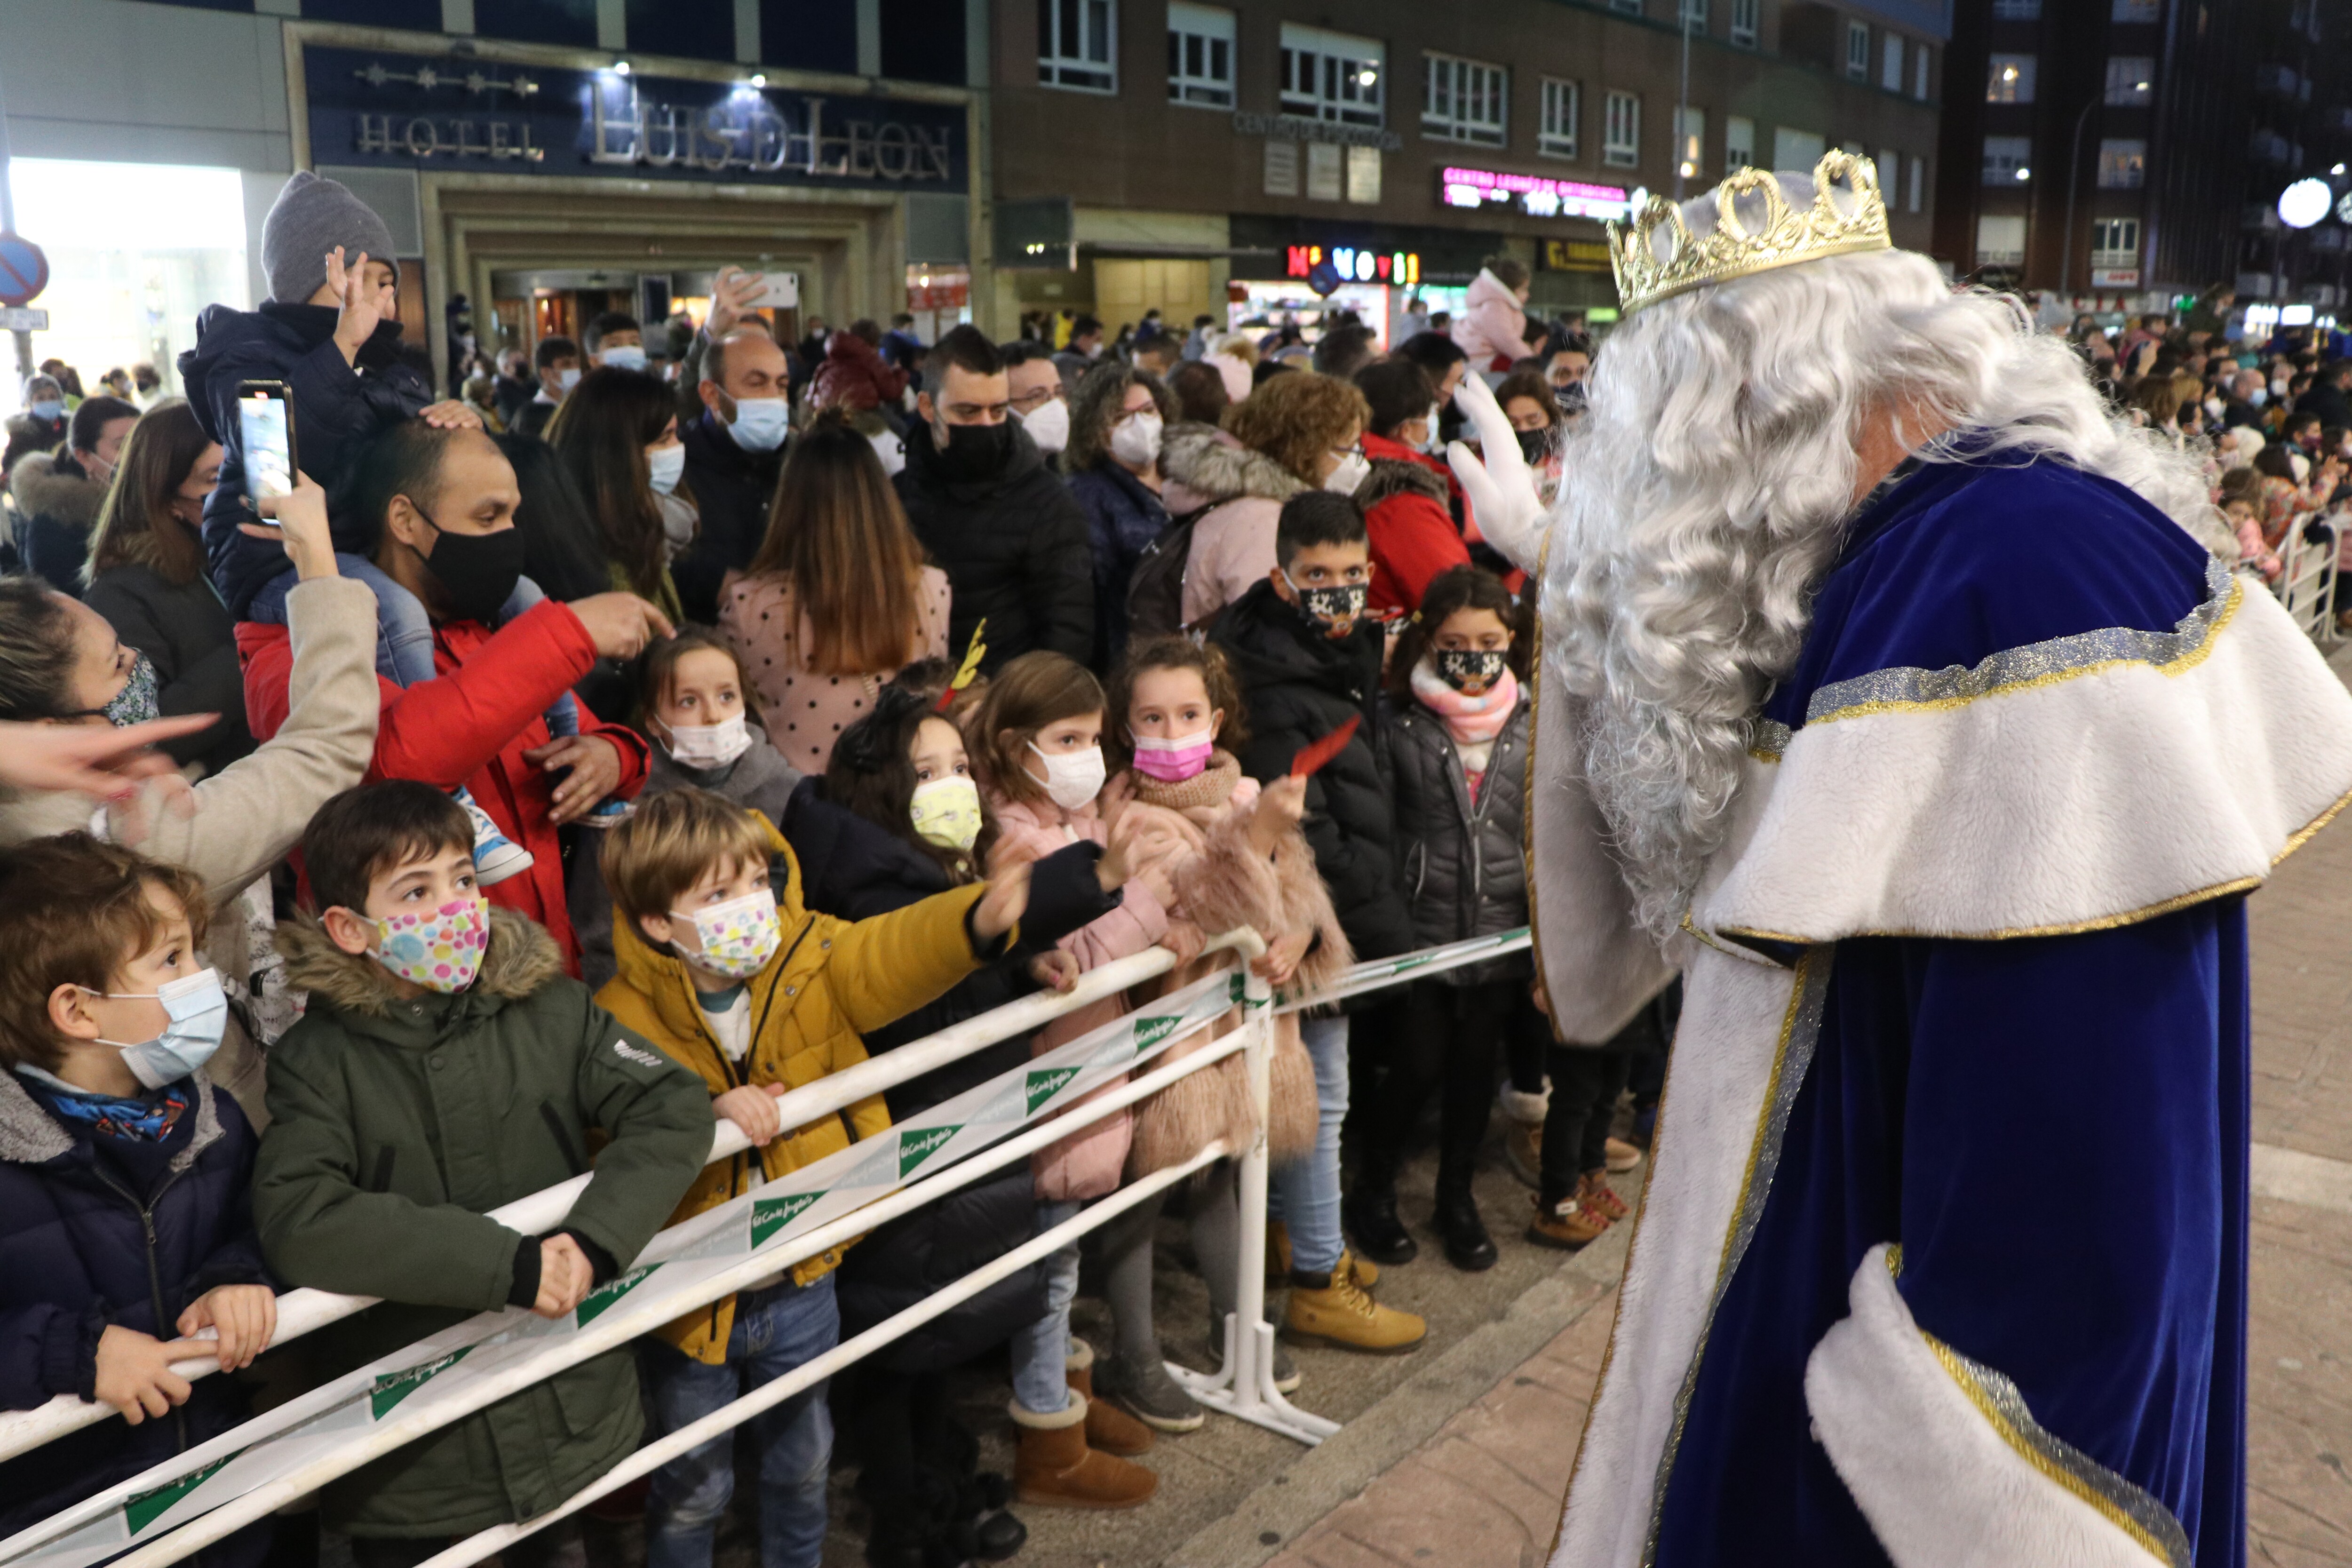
268	436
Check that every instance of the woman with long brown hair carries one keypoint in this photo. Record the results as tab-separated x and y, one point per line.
146	576
839	599
616	434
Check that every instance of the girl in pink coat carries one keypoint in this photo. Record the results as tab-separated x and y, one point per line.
1493	330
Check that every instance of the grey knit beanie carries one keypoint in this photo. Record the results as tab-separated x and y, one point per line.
309	218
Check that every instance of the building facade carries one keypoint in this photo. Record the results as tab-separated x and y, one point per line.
1207	159
2136	150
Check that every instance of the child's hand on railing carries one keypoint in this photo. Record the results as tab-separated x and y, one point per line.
1055	970
1282	957
565	1277
1184	940
243	1316
751	1107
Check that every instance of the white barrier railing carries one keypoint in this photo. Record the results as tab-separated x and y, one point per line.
2307	582
1245	1387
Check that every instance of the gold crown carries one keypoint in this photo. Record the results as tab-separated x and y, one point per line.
1732	249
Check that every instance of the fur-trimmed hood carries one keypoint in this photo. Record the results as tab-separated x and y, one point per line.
1212	467
1395	477
44	484
522	959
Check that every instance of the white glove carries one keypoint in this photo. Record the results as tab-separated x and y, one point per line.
1502	490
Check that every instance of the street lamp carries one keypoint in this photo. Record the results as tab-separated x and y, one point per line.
2074	181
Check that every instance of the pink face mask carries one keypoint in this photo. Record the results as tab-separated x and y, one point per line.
1174	760
441	951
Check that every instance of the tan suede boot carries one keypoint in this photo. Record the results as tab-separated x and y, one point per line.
1338	1314
1055	1468
1109	1429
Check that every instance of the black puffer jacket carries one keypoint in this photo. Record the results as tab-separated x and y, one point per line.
1299	686
57	506
1462	863
337	405
1015	549
734	489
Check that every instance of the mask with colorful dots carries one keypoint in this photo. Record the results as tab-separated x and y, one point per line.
442	951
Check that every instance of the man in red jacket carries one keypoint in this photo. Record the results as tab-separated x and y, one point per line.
1408	497
442	504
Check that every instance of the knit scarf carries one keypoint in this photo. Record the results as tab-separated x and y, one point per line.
1210	788
1473	721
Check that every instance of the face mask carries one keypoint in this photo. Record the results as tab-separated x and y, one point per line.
2278	389
709	745
621	358
2213	407
97	468
567	378
1135	440
48	408
136	702
665	466
1328	607
1049	426
2259	396
891	450
1353	470
971	452
760	423
1535	445
946	812
1461	668
476	571
737	937
198	1010
442	951
1174	760
1074	778
1433	442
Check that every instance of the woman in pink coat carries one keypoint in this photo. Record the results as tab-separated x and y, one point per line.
1494	330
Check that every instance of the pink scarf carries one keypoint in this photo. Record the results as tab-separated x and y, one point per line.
1473	721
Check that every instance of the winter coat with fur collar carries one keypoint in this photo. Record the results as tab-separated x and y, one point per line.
394	1124
1233	544
185	630
77	1255
57	505
1409	520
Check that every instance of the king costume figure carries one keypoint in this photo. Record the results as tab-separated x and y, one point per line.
1889	690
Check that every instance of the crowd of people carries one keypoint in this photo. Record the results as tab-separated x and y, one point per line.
782	701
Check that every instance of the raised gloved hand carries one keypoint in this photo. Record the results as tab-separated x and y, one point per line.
1502	488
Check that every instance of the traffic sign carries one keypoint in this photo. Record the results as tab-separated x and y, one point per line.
24	270
18	318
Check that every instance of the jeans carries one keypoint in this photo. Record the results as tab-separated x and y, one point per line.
1306	1193
1041	1351
775	1331
404	632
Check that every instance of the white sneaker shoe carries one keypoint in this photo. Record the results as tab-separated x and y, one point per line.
496	856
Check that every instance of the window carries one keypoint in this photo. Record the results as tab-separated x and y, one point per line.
2123	163
1794	148
2007	160
1890	172
1331	76
2131	80
2135	10
1199	55
1738	142
1857	50
2017	10
1077	45
2008	78
1563	105
1621	140
1890	63
1463	101
1690	152
2115	242
1695	14
2000	241
1915	199
1919	72
1743	22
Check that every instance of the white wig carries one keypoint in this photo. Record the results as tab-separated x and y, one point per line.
1707	492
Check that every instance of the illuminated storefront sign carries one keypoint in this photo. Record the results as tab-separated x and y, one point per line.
1537	195
1353	266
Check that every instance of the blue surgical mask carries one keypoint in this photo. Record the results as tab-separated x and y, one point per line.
198	1010
760	423
48	408
622	357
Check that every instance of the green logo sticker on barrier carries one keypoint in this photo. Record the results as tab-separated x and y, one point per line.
770	1216
593	1305
1150	1032
1044	1086
394	1386
914	1148
143	1509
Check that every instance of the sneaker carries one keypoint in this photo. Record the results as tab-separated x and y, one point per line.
1285	1371
1566	1226
1596	1195
1337	1314
496	856
1622	1156
1523	1152
609	812
1142	1387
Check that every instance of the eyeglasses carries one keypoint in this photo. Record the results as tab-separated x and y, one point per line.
1030	401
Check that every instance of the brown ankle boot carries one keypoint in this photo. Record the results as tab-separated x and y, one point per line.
1109	1429
1055	1468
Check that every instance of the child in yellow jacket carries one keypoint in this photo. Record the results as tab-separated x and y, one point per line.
761	996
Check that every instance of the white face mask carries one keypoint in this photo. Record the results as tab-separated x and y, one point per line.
621	358
1074	778
1049	426
567	378
709	745
1353	470
891	449
1135	440
665	466
1432	442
